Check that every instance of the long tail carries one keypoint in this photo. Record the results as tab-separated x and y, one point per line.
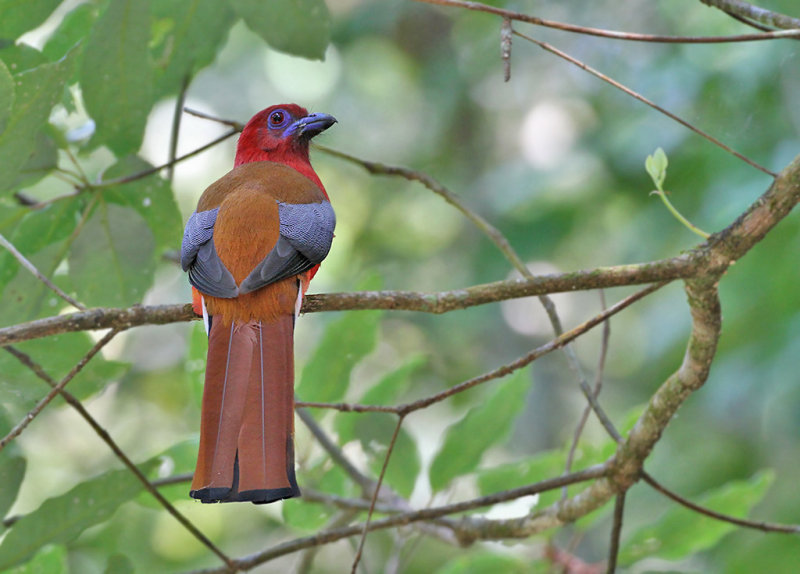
247	425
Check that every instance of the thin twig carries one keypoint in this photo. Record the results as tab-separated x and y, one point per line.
238	126
615	35
616	533
366	483
552	345
553	50
406	518
169	164
494	235
375	493
34	412
37	369
177	114
598	385
756	525
38	274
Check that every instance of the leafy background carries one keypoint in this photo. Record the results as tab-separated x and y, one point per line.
554	158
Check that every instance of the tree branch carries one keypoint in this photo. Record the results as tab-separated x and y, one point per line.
750	12
661	39
441	302
406	518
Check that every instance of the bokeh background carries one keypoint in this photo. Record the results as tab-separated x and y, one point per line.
554	159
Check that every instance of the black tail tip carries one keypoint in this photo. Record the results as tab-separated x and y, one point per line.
259	496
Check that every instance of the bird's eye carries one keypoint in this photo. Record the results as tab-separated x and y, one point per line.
277	119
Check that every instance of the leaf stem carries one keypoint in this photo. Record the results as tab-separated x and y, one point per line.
677	214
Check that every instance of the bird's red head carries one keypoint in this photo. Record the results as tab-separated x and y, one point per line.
281	134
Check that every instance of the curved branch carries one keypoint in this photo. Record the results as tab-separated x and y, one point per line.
615	35
755	13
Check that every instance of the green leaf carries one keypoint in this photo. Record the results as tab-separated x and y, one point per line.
313	517
119	564
187	37
151	197
346	341
111	263
37	91
37	230
348	425
515	474
405	463
374	430
485	563
74	28
656	166
42	161
6	94
43	237
61	519
22	57
682	532
298	27
12	471
117	75
19	16
483	426
49	560
180	458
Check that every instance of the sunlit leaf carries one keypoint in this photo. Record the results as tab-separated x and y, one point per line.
117	75
483	426
682	532
656	166
61	519
298	27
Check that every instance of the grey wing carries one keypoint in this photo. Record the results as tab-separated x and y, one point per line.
206	270
306	234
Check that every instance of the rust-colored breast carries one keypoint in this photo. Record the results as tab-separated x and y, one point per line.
247	229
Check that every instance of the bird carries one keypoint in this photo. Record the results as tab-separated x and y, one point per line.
250	249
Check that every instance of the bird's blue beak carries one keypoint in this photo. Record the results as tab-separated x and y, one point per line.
310	125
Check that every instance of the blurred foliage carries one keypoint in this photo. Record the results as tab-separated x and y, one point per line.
554	158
